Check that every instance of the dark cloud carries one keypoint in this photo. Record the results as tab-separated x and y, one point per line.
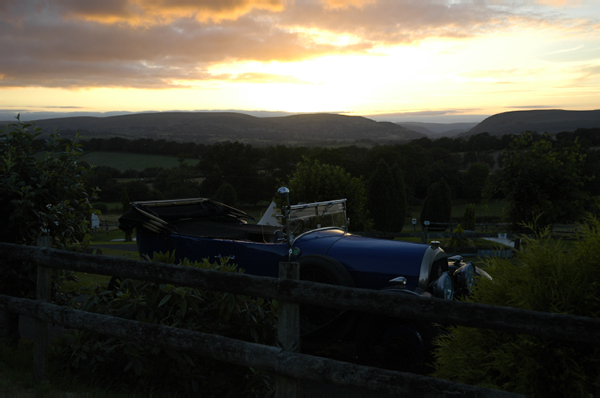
158	43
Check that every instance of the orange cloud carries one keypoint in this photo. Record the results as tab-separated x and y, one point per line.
157	43
332	4
153	12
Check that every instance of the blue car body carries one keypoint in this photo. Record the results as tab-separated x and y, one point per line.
316	236
372	263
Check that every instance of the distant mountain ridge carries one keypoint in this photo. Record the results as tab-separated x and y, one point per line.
212	127
306	129
551	121
437	130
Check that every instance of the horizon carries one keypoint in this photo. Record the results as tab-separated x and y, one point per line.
393	118
448	61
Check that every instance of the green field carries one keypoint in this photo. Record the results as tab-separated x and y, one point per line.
125	161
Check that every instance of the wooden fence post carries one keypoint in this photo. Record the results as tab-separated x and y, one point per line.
288	332
40	343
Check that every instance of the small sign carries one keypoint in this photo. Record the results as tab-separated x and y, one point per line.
414	221
426	223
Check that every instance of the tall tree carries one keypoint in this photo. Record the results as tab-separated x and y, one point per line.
315	182
542	182
399	201
42	194
474	180
226	194
468	221
380	194
437	208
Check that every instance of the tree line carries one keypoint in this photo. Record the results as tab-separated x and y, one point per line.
481	172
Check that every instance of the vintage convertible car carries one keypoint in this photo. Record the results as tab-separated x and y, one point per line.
316	236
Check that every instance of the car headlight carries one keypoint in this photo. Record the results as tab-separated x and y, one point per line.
444	287
465	277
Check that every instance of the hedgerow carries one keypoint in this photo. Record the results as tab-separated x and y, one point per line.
547	275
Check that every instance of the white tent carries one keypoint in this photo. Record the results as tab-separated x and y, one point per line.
95	221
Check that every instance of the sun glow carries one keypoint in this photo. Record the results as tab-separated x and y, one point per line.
420	77
334	83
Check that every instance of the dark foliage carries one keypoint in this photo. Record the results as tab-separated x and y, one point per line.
133	367
548	275
437	208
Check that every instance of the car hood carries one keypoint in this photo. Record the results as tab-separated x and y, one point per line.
372	262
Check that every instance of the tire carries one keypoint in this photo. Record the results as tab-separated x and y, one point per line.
323	323
395	343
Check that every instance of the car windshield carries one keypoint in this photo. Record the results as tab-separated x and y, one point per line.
319	215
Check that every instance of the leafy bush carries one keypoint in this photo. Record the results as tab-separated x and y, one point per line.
549	276
313	181
543	180
42	193
458	239
128	365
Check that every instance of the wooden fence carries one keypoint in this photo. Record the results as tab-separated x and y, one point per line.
287	364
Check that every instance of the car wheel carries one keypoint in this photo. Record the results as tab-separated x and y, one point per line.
395	343
322	323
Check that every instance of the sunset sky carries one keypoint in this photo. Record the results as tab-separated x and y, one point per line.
398	59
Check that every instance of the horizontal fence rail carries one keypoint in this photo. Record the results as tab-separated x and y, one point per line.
555	326
238	352
482	316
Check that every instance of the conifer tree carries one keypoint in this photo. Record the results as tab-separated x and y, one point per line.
399	198
437	208
468	221
226	194
380	194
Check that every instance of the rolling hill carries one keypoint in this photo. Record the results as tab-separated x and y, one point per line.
437	130
550	121
212	127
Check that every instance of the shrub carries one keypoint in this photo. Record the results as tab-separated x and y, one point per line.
131	366
313	181
42	190
547	277
42	193
458	239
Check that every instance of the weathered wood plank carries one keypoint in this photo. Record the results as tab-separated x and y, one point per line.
229	350
288	332
40	341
